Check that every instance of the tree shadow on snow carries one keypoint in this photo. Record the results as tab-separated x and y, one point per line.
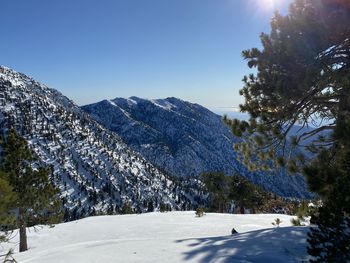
285	244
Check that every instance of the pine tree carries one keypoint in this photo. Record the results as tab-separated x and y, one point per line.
8	199
200	211
150	207
217	185
162	208
37	201
330	177
110	209
303	77
127	209
242	192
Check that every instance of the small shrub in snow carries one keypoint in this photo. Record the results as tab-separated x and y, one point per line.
162	208
299	221
200	211
296	222
150	207
127	209
277	222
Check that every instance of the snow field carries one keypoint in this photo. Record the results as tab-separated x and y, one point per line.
168	237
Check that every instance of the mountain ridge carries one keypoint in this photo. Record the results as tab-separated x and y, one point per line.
185	139
94	169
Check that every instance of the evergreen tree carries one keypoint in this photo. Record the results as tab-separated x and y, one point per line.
223	189
218	187
242	192
162	208
110	209
7	197
330	177
127	209
303	77
200	211
37	201
302	211
150	207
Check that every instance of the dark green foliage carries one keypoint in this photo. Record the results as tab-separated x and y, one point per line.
7	204
37	199
303	77
297	222
200	211
302	212
303	209
162	208
330	240
8	201
224	189
150	207
244	193
127	209
218	187
110	209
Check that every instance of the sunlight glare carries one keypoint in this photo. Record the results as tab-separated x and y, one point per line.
270	5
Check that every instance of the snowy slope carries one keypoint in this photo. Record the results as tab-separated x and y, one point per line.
95	171
168	237
185	139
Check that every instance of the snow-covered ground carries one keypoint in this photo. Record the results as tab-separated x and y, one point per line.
168	237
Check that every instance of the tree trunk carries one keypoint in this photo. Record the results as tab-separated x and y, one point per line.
23	238
23	246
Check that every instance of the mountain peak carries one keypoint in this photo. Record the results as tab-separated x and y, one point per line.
93	168
184	139
2	67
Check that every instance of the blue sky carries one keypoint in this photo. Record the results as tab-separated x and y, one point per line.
93	50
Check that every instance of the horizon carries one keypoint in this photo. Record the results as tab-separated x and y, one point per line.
185	49
233	112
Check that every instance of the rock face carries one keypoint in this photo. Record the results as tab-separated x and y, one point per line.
94	169
184	139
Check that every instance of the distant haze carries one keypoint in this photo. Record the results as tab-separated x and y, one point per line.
233	114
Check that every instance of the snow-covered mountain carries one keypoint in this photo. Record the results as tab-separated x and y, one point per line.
184	139
94	169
